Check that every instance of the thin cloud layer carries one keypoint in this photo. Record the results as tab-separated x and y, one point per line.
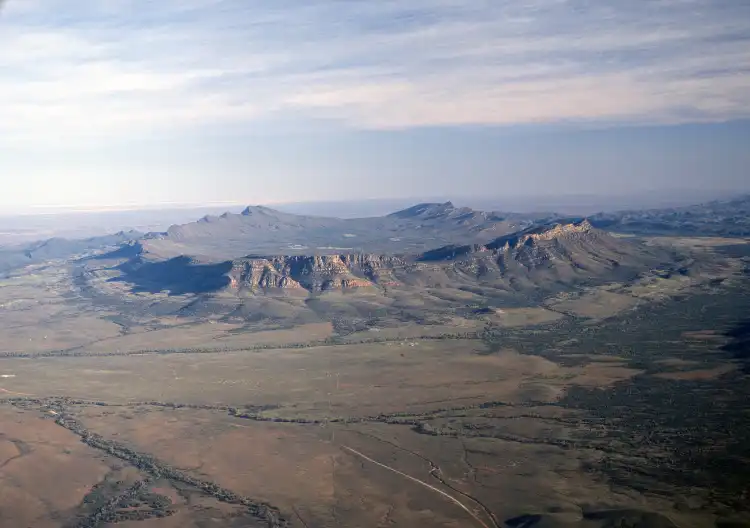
120	67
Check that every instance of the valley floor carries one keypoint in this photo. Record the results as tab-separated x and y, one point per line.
617	406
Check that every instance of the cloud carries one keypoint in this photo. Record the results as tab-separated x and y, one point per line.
122	67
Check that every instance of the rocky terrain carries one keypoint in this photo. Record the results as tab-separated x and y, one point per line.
314	273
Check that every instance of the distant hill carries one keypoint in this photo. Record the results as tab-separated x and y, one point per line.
59	248
55	248
729	218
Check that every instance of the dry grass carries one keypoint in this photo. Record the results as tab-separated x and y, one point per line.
596	304
48	474
353	380
311	470
703	335
64	333
676	362
605	359
212	335
694	242
698	375
415	331
599	374
283	464
516	317
35	316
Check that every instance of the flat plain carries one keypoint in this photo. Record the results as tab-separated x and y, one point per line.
621	403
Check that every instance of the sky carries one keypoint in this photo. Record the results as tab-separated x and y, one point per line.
114	102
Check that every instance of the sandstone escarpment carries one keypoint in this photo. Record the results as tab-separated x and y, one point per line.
313	273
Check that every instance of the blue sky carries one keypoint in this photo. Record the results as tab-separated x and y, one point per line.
131	101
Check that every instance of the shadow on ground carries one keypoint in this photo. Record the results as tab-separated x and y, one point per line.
178	276
595	519
739	346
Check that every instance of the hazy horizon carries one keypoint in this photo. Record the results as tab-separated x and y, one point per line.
656	198
569	203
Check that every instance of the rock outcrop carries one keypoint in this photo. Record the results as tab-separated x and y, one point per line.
313	273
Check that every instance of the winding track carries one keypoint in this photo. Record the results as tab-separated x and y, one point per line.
421	482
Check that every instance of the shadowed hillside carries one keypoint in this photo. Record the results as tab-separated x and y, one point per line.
178	276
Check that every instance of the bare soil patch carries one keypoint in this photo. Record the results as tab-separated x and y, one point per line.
516	317
596	304
698	375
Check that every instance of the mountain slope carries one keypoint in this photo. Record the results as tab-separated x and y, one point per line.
547	256
59	248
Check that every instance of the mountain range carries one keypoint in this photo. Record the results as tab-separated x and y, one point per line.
416	229
423	229
263	230
536	261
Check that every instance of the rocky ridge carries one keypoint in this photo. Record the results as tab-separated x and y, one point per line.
315	272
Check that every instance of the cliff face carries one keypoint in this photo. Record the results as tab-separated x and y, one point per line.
314	273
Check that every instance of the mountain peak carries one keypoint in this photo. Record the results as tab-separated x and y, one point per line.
425	210
250	210
562	228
